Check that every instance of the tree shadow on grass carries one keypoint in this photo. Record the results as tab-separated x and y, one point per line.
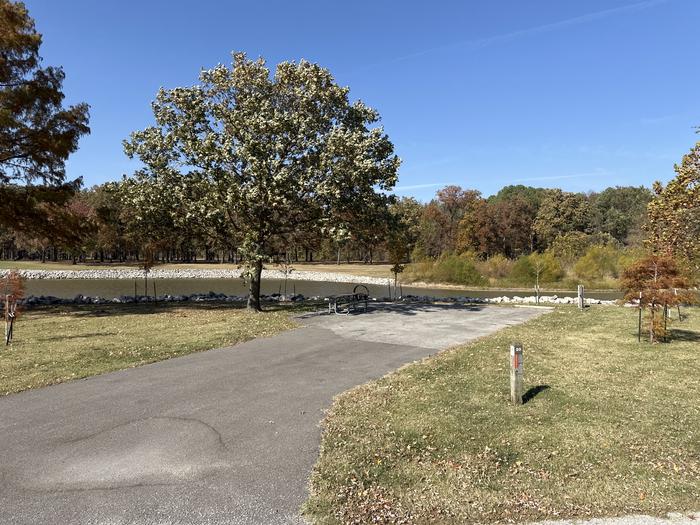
112	310
677	334
533	392
77	336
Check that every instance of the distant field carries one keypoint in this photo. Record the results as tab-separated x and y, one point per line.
61	265
370	270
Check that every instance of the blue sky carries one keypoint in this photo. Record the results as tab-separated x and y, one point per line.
573	94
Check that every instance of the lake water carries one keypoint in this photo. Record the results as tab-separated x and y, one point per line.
108	288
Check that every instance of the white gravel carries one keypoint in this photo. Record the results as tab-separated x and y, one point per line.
195	274
675	518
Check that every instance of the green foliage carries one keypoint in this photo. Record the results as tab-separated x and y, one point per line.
536	268
256	157
561	212
573	245
620	211
674	214
529	194
454	269
599	262
37	134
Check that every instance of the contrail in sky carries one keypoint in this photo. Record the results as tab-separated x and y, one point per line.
487	41
420	186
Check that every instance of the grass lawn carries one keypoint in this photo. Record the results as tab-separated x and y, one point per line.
614	429
52	345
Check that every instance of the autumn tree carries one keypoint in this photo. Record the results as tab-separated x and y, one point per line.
674	213
440	222
37	134
268	155
656	282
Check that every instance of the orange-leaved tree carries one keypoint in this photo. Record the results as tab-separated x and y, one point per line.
657	283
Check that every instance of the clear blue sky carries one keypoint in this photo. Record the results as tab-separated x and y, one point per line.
573	94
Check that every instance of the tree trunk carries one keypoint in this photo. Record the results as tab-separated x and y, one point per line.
254	287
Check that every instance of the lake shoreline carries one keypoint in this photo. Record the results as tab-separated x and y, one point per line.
297	275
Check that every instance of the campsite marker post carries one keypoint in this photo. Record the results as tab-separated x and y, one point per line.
516	373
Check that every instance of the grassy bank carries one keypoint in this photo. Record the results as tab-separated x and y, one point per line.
53	345
612	427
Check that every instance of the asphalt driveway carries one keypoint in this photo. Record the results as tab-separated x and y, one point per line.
226	436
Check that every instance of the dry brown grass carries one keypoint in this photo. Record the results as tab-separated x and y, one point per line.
53	345
614	428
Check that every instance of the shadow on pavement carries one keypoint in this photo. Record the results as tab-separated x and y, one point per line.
400	309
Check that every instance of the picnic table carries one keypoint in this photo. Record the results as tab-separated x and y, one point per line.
345	303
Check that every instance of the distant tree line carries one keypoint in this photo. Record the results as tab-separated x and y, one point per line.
115	222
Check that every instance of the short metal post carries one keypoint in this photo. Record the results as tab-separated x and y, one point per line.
516	373
580	296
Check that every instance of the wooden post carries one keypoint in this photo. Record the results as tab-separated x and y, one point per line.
7	319
639	322
516	373
580	296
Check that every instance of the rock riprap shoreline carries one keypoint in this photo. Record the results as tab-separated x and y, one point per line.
45	300
192	273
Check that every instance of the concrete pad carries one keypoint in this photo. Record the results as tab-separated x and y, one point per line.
224	436
427	326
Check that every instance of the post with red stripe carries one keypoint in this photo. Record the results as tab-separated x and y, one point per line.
516	373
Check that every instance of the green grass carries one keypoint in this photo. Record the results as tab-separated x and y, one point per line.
57	344
614	430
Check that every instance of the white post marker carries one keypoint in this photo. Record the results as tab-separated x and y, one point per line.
516	373
580	296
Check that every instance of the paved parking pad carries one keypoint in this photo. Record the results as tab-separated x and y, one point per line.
224	436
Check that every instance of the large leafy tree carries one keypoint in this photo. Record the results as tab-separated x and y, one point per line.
270	155
561	212
440	221
37	134
674	213
620	211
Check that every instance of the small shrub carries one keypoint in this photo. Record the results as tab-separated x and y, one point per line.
536	267
496	267
599	262
457	269
453	269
